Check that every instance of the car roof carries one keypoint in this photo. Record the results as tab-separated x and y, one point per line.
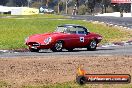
66	25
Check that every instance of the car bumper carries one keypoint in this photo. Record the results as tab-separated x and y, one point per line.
40	46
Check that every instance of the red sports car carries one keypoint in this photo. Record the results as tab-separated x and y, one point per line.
68	36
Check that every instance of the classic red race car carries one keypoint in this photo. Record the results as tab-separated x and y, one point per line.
68	36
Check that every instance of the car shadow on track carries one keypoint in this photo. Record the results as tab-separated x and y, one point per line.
76	50
104	49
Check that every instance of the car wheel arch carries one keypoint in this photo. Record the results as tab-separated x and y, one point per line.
60	41
96	40
91	39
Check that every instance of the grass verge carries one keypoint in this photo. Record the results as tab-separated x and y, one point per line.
13	31
4	85
69	85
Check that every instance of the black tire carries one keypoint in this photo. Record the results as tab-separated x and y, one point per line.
92	46
57	47
34	50
70	49
81	80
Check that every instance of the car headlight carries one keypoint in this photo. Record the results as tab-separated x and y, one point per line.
47	40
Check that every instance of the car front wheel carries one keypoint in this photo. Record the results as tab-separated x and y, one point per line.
92	46
57	47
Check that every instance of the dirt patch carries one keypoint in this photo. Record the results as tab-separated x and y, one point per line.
58	69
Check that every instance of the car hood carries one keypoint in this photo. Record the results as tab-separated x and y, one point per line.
39	38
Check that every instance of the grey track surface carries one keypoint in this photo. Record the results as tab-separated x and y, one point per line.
117	50
120	21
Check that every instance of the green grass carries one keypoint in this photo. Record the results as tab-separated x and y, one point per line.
4	84
75	85
13	31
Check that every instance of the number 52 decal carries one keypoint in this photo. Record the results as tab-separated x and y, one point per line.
81	39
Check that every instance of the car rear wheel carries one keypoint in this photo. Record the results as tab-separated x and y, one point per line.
34	50
57	47
92	46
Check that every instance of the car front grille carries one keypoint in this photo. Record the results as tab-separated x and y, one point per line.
33	44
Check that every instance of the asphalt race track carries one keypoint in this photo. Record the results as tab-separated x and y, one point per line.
120	21
112	50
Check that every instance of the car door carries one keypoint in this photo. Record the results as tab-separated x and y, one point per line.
72	38
76	37
82	38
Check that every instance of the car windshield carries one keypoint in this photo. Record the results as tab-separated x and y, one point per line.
68	29
71	30
61	29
